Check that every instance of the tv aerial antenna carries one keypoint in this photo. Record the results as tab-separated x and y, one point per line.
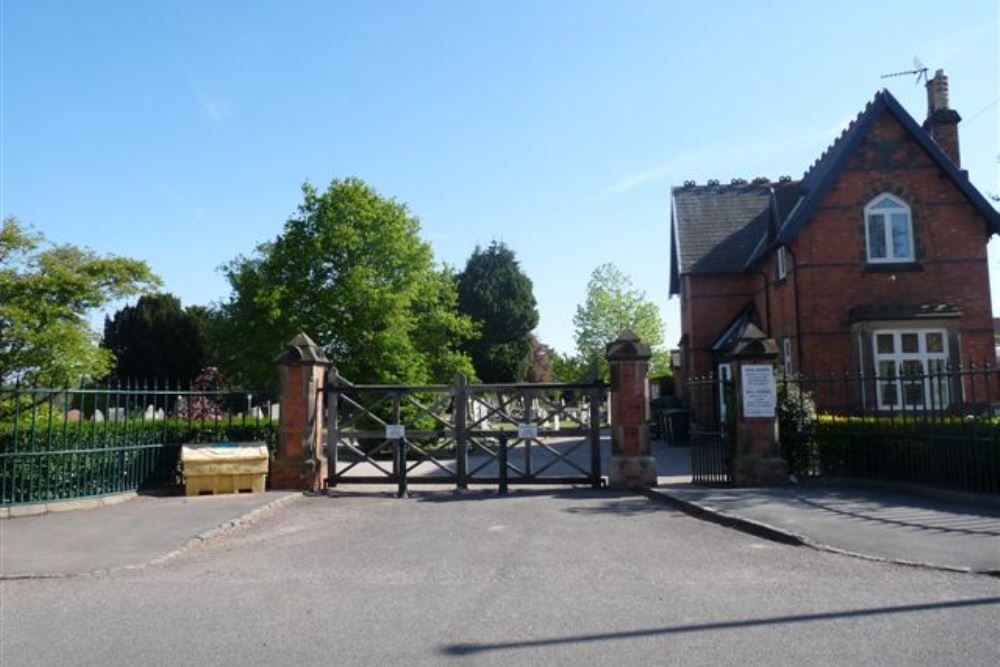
918	68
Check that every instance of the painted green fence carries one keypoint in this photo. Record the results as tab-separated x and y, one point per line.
91	441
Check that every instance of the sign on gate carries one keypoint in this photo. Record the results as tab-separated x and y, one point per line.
395	431
527	431
759	394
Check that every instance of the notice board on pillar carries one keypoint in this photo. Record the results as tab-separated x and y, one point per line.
758	390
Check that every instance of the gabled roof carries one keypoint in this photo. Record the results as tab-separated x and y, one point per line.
737	328
729	228
716	229
816	182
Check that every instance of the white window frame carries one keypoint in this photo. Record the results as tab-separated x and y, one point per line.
934	387
786	355
782	265
725	379
886	213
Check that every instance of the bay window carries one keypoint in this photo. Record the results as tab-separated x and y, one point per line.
911	369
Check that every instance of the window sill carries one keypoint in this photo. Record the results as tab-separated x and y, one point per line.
893	267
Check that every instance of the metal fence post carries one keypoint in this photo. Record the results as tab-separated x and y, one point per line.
399	450
595	438
527	418
461	434
502	460
402	490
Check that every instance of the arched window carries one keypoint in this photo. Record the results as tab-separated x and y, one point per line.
888	230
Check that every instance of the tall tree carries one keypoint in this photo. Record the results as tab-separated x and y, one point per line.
498	296
155	338
46	292
613	304
539	362
568	367
351	271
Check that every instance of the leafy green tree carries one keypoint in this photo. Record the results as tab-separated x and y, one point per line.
155	339
613	304
568	368
210	326
351	271
46	292
498	296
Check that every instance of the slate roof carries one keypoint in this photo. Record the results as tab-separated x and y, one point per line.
718	228
719	225
729	228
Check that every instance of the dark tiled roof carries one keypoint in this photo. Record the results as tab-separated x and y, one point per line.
717	227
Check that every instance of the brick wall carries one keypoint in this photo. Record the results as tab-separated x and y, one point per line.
828	261
950	246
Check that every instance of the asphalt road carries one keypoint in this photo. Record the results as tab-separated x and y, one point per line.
539	577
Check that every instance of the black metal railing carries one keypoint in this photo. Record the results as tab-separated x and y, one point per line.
93	440
929	424
711	432
937	427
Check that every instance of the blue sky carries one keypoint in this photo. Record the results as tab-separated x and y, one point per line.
180	132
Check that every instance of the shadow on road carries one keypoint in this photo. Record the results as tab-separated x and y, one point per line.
458	650
965	521
450	495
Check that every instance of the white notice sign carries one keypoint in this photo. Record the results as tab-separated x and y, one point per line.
759	395
527	431
395	431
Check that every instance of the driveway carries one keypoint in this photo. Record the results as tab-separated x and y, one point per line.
554	577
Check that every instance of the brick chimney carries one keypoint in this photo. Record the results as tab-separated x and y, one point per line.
942	121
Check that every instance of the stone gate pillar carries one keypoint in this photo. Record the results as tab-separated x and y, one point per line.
300	463
632	464
758	459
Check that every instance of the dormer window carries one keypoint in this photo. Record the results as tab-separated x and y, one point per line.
888	230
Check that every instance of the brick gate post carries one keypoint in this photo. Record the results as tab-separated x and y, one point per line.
632	463
758	459
300	463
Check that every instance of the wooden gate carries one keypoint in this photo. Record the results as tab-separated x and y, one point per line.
461	434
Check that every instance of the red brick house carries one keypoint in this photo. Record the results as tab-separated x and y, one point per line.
873	263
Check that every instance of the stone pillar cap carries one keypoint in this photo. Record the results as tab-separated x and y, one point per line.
627	346
302	350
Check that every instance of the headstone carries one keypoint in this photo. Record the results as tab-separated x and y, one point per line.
73	416
159	415
275	410
98	416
